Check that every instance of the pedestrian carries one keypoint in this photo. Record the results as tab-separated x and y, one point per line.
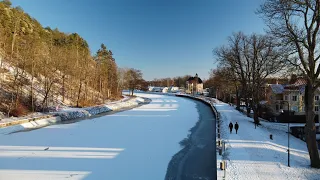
230	127
236	127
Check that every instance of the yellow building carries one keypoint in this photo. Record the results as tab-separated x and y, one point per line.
280	97
194	85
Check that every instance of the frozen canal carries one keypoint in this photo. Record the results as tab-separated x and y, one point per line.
134	144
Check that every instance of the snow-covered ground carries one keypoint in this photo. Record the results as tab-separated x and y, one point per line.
252	155
134	144
12	125
61	109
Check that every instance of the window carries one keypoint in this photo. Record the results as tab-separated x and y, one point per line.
316	108
294	108
302	109
316	98
294	98
286	97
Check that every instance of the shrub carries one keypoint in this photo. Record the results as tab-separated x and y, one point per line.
86	103
20	110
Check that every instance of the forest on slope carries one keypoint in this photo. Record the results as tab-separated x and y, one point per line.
41	67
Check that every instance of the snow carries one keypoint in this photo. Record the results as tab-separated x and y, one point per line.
252	155
29	125
134	144
64	114
277	88
32	115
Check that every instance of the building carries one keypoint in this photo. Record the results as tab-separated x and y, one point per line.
281	97
194	85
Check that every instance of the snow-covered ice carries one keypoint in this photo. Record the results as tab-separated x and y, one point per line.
66	114
134	144
252	155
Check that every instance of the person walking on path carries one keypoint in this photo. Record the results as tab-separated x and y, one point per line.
230	127
236	127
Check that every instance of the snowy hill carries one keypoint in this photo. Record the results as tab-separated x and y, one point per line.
54	95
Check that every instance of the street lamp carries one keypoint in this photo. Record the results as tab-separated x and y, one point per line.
288	131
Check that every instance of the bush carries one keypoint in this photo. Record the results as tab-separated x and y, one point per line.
86	103
266	112
20	110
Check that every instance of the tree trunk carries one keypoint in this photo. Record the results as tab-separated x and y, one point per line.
17	94
100	87
86	90
248	107
63	88
238	100
256	116
79	92
13	95
310	129
255	102
2	73
93	97
32	101
47	89
31	90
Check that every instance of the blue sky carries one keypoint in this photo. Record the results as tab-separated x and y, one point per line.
163	38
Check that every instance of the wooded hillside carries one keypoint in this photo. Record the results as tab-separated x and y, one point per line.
42	67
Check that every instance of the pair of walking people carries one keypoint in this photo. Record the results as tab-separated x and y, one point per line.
236	127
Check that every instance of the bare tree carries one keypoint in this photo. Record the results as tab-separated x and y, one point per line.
232	57
226	79
133	79
121	79
265	59
296	24
252	59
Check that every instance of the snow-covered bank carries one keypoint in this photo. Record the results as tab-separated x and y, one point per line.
30	125
20	120
65	115
74	113
134	144
206	100
251	154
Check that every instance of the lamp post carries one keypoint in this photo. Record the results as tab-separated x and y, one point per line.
288	132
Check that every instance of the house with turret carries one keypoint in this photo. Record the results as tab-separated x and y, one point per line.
194	85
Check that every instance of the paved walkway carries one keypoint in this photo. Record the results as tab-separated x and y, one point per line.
251	154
